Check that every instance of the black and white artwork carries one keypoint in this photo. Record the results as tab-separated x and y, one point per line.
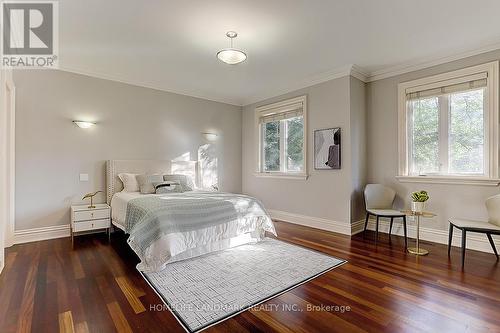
327	149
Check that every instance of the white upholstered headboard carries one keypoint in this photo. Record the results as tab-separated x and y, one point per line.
115	167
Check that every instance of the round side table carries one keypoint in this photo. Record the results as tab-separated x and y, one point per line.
417	250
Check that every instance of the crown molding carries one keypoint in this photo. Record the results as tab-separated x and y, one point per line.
367	76
308	82
101	76
349	70
427	62
360	73
352	70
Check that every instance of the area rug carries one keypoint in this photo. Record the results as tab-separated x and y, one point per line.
206	290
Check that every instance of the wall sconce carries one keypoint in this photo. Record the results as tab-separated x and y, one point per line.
210	136
83	124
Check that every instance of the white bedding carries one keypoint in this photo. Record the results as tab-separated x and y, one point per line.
186	244
119	207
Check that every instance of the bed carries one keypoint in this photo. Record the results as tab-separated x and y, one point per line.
164	228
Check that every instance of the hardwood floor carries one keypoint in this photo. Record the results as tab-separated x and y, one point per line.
46	287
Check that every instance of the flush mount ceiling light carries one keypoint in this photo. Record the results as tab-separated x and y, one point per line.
83	124
210	136
231	55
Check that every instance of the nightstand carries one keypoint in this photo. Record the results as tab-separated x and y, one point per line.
85	219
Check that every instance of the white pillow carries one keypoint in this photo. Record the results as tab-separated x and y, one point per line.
146	182
130	183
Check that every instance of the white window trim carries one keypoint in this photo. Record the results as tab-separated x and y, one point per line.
491	135
270	109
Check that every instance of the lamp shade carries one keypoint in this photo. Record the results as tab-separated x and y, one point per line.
210	136
83	124
231	56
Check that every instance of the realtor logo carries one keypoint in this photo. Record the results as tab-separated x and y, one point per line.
29	34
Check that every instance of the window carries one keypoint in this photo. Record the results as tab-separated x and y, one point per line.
282	139
448	128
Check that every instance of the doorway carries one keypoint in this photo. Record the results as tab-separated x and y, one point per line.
7	162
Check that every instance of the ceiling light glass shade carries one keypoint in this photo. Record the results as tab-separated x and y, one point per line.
210	136
231	56
83	124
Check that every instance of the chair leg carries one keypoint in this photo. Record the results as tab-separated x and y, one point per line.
390	227
450	238
404	230
376	230
464	235
366	224
492	244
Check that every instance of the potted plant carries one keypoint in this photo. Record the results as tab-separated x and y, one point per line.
419	198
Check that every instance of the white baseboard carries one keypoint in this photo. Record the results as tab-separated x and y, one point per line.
309	221
2	260
39	234
475	241
357	227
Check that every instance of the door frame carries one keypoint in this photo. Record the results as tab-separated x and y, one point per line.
10	166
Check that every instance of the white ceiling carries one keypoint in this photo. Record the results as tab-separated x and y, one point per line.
171	45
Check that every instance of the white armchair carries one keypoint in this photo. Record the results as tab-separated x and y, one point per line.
490	227
379	200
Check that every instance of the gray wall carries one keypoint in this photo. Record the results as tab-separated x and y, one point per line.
133	123
358	147
382	116
327	193
140	123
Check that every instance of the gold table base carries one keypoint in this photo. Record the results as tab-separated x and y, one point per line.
418	251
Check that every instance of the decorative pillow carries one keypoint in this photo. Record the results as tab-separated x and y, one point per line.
185	181
146	182
167	187
129	181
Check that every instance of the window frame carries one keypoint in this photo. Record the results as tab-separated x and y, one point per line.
277	108
491	95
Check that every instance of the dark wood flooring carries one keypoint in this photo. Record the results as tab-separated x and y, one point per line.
47	287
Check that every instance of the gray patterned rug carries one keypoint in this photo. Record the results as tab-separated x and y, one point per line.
206	290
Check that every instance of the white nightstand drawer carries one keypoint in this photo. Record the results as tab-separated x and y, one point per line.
90	225
96	214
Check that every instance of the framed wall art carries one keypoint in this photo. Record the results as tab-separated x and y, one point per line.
327	152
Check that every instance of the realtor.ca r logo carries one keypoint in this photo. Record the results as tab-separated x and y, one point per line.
29	34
